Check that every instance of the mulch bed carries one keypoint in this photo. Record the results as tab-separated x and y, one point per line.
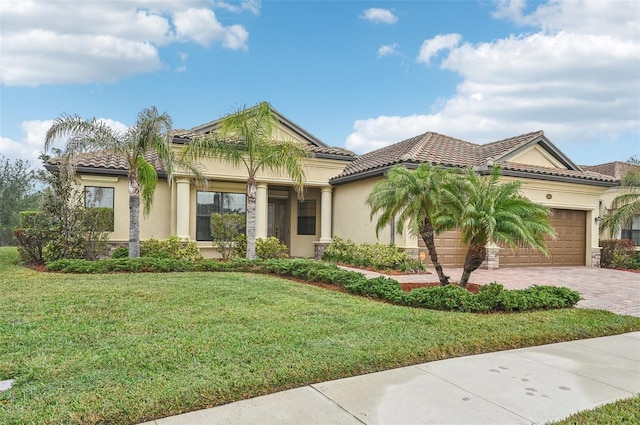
628	270
408	287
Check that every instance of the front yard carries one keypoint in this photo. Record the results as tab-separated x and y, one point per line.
125	348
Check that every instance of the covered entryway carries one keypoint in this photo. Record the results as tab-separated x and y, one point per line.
568	249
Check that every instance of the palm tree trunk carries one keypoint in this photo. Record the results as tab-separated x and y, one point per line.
134	219
251	218
427	234
474	258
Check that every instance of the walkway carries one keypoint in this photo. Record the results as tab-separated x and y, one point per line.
523	386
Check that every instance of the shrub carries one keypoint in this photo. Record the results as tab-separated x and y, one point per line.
271	247
110	265
378	256
448	297
171	247
32	236
120	252
617	253
240	246
224	229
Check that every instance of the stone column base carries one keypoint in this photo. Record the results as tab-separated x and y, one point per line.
595	257
318	249
492	260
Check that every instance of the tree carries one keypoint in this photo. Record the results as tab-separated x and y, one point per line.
17	193
413	197
487	211
626	206
150	135
246	139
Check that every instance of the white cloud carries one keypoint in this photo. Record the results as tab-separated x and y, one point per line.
379	16
431	47
388	50
576	78
31	143
68	41
252	6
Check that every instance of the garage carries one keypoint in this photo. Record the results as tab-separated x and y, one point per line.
567	250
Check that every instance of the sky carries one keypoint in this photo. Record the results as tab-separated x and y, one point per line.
356	74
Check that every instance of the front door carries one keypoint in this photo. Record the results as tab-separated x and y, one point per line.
277	220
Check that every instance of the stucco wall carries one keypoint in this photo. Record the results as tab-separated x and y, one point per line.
157	225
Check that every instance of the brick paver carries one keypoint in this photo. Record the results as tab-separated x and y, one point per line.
613	290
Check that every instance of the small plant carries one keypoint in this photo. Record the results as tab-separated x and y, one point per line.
271	247
378	256
172	247
120	252
617	253
225	228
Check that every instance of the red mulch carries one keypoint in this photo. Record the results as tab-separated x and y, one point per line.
408	287
628	270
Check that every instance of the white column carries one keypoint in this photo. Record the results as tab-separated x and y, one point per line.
183	189
261	210
325	214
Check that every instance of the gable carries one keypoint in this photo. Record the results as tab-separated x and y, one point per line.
536	155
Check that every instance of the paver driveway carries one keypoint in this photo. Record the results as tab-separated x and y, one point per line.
614	290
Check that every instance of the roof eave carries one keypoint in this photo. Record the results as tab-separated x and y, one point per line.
547	177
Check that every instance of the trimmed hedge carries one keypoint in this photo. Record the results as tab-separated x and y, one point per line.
492	297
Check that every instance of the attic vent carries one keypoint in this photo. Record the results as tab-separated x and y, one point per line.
405	157
490	162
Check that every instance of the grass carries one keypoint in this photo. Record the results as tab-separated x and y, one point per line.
623	412
126	348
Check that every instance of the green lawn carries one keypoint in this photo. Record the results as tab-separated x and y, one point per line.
125	348
623	412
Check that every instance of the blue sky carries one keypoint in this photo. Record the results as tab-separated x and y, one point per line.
356	74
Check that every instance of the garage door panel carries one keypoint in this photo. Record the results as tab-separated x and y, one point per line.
568	249
451	250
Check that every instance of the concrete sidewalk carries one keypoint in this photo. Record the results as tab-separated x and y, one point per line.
523	386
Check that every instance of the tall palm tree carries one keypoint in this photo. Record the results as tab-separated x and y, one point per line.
246	139
488	211
625	207
413	197
151	135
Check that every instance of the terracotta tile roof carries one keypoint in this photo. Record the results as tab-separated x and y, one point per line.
616	169
559	172
443	150
109	161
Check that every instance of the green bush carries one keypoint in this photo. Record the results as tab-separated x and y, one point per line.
271	247
448	297
224	229
32	236
618	253
111	265
172	247
120	252
378	256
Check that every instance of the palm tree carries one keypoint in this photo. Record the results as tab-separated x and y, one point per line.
413	197
625	207
151	135
246	138
487	211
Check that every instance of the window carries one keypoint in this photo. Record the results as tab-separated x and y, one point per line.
100	197
631	230
208	203
307	217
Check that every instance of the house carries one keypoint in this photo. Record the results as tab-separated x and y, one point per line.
182	208
549	177
617	169
336	187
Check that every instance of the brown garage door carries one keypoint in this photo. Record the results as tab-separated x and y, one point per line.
450	250
567	250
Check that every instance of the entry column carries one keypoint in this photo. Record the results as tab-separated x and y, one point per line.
261	210
183	188
325	214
